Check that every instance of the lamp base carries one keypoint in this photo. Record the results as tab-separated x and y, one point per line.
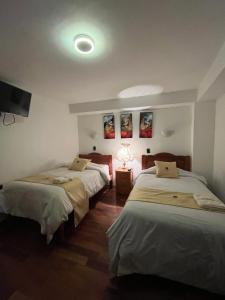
124	166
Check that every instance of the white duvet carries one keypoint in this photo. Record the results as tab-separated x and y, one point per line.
48	204
187	245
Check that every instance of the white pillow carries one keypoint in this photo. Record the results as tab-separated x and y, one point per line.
184	173
91	164
151	170
103	169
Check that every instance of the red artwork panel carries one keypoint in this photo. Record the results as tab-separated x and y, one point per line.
109	126
126	126
145	130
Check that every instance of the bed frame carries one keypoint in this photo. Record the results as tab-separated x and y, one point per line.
99	158
183	162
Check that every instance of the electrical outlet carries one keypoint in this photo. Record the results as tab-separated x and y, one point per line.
148	150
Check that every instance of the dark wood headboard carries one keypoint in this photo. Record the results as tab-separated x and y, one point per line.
99	159
183	162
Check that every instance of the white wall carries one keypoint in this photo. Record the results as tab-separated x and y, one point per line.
219	150
36	143
203	139
178	119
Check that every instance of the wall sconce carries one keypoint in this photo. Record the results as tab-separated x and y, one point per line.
93	135
166	132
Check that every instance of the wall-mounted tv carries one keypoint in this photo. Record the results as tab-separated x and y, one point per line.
14	100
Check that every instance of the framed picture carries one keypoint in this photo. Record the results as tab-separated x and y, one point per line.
109	126
145	130
126	125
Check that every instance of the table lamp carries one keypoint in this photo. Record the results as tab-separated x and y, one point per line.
124	154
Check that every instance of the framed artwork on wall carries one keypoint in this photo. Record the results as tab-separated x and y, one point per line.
145	129
126	125
109	126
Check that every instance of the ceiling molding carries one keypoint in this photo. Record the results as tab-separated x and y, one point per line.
156	101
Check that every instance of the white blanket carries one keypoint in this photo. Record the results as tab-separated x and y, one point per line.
91	178
182	244
47	204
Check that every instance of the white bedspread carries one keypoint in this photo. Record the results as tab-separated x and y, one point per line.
187	245
47	204
92	179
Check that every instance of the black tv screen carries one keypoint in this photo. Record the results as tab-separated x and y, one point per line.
14	100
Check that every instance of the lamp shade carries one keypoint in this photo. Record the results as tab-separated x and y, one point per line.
124	154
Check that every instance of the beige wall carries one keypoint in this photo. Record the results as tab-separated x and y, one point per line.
203	139
178	119
50	135
46	137
219	150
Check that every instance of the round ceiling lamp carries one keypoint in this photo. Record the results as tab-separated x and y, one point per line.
84	44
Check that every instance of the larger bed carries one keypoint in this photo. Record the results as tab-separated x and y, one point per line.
51	204
182	244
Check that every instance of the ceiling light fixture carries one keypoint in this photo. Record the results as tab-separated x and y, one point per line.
84	44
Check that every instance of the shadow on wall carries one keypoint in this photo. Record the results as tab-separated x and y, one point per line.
51	164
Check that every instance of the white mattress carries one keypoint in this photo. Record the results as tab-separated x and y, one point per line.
47	204
187	245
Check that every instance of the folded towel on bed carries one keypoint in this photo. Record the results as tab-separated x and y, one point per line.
209	203
61	179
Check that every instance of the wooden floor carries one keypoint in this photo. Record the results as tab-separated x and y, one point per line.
78	267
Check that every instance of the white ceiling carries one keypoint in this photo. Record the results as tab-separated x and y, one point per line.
170	43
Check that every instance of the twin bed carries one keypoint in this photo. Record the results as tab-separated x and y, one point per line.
171	241
149	237
51	204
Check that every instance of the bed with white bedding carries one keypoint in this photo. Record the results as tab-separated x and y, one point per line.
50	205
182	244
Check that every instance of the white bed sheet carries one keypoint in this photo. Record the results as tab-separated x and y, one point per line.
47	204
182	244
92	179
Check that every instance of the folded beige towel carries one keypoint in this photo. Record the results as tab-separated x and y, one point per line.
61	179
209	203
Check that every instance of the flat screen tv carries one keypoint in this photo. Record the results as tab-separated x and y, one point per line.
14	100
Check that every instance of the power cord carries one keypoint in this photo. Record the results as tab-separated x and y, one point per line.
4	121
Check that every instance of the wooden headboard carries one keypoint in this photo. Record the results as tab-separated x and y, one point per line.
99	159
183	162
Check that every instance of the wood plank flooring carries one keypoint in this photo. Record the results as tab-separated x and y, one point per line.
76	268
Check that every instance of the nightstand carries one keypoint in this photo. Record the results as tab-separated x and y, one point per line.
124	181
